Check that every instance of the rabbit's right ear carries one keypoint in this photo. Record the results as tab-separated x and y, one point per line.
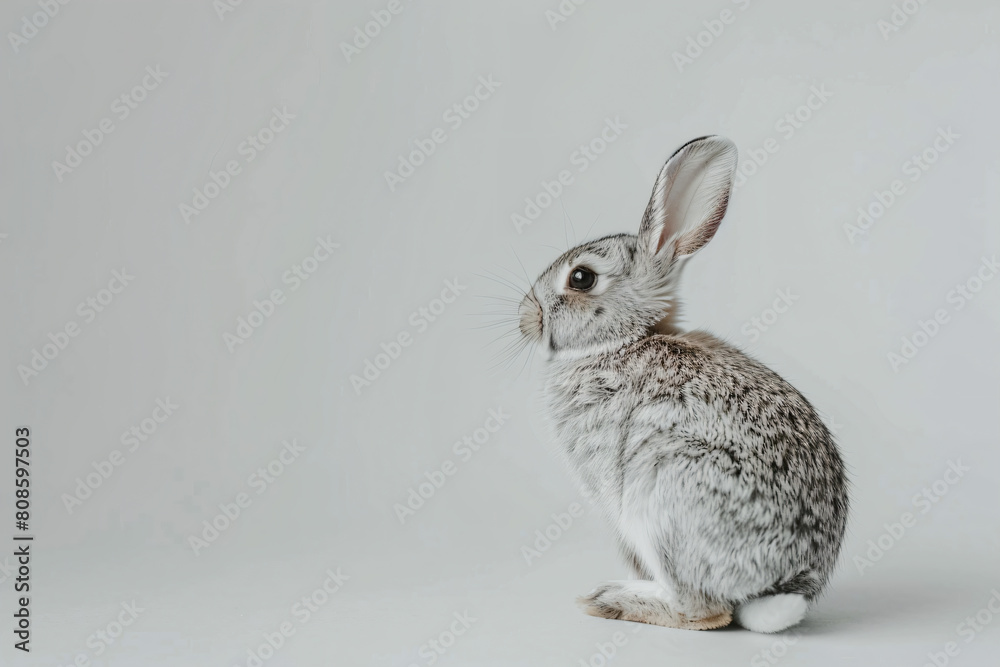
690	197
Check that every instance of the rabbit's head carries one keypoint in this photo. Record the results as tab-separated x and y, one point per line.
613	291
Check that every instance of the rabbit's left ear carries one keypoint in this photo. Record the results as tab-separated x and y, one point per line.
690	197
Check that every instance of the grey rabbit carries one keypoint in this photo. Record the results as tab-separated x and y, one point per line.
726	492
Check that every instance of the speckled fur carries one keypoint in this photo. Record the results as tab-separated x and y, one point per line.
721	482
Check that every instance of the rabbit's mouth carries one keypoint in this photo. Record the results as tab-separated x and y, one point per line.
530	317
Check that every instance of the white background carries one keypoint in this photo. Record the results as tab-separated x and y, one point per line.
163	336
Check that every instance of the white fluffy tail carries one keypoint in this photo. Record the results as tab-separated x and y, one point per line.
772	613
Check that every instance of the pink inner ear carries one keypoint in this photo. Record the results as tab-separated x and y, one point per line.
702	234
691	194
664	237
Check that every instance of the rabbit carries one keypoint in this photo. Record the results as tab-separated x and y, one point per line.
726	492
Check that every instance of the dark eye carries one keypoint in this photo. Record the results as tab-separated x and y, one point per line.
582	279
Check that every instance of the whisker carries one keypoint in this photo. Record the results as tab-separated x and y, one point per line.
523	270
494	325
511	352
512	344
507	334
592	225
499	298
497	326
501	310
502	281
527	362
517	277
567	218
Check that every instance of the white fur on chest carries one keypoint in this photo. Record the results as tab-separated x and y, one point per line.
599	431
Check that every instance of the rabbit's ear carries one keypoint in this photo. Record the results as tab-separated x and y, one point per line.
690	197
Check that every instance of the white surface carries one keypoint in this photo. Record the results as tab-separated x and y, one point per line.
323	175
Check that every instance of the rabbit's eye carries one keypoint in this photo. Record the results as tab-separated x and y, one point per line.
582	279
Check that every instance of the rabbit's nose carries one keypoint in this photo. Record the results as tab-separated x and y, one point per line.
530	317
